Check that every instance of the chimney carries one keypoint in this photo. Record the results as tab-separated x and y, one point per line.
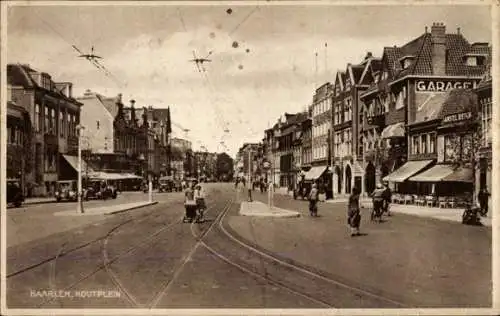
119	98
438	36
132	102
458	30
368	55
70	90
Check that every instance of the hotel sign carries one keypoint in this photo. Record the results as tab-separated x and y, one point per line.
457	117
443	85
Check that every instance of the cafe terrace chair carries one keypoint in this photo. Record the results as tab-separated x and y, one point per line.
442	201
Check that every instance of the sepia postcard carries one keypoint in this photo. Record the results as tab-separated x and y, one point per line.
249	157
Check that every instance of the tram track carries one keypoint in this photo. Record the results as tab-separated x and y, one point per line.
312	284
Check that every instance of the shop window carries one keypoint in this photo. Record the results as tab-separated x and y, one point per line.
467	147
432	143
415	145
423	144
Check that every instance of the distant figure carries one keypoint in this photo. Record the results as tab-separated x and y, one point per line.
199	196
190	204
250	187
313	200
483	201
378	203
353	213
387	198
243	180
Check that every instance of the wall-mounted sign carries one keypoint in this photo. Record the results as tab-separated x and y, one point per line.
457	117
443	85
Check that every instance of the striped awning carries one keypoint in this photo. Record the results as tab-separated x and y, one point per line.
407	170
434	174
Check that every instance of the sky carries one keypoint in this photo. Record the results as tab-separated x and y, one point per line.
246	87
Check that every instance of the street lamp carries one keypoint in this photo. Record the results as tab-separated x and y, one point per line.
79	130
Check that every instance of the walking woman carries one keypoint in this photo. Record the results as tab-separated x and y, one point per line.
353	213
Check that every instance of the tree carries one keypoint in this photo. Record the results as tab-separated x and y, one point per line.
462	147
224	166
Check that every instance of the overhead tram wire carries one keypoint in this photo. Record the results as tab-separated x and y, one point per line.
94	62
221	121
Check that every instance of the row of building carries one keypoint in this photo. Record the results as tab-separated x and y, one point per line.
419	117
118	141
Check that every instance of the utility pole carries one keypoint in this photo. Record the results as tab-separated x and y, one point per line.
79	208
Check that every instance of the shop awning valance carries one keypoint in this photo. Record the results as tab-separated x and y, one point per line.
105	176
314	173
73	162
407	170
394	130
460	175
435	174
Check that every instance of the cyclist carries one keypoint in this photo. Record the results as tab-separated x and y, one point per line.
378	203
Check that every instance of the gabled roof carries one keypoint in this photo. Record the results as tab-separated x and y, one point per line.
373	65
18	75
340	77
421	47
109	104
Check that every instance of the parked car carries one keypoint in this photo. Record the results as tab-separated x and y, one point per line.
98	189
66	190
14	193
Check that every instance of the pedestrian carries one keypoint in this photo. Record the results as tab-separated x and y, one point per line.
313	200
199	195
378	203
250	182
190	204
243	180
387	198
483	201
353	212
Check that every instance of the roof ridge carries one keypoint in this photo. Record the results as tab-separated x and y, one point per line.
414	65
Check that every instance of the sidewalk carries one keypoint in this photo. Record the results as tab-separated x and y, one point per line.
260	209
444	214
27	226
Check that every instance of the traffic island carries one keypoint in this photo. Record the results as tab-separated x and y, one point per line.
259	209
106	210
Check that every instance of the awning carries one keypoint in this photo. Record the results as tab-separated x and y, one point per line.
434	174
105	176
73	161
131	176
314	173
460	175
394	130
407	170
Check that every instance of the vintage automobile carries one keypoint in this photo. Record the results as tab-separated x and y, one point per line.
167	184
99	189
66	190
14	193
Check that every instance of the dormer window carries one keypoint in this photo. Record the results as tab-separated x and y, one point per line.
376	76
475	59
347	84
406	61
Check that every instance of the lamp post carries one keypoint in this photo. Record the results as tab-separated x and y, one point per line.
79	208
